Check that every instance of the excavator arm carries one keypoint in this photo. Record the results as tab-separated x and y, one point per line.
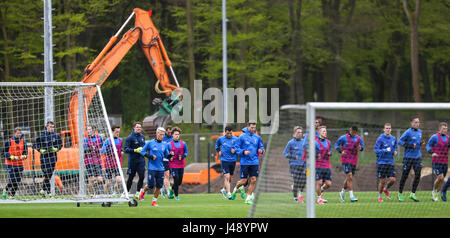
98	71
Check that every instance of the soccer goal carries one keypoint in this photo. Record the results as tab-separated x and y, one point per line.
58	146
287	186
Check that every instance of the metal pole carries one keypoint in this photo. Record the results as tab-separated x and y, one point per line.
33	164
45	84
196	157
124	24
174	76
49	113
311	163
48	61
209	167
380	106
85	106
224	62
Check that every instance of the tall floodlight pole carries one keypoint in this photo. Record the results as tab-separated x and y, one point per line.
224	62
48	72
48	61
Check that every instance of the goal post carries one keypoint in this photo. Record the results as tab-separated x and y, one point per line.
276	181
311	109
83	167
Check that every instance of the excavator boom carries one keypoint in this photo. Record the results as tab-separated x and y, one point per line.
99	70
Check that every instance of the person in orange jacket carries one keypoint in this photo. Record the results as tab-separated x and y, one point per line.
14	152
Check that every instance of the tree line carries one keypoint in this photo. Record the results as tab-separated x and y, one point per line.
327	50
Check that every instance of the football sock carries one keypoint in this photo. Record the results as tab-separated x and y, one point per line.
249	197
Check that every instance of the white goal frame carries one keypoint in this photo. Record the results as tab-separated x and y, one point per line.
311	109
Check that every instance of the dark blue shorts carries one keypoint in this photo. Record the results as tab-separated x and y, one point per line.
414	163
440	168
228	167
155	178
177	172
385	170
297	172
14	173
323	174
48	165
349	168
249	171
93	170
136	165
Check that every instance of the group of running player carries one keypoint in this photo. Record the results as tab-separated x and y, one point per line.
385	149
158	151
166	155
249	146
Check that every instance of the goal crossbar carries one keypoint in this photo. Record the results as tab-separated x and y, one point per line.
310	118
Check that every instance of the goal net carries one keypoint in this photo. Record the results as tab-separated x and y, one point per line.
353	188
57	145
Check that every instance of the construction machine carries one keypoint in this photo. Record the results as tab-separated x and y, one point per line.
144	32
150	41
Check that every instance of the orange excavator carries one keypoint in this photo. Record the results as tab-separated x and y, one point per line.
98	71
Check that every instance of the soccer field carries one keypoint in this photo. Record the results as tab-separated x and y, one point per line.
366	207
213	206
190	206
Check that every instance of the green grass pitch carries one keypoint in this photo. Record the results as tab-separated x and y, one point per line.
213	206
366	207
190	206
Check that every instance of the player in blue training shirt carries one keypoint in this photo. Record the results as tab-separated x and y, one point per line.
251	147
318	122
411	140
385	149
294	152
228	148
156	150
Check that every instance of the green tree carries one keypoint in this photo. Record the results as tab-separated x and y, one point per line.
21	41
413	19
